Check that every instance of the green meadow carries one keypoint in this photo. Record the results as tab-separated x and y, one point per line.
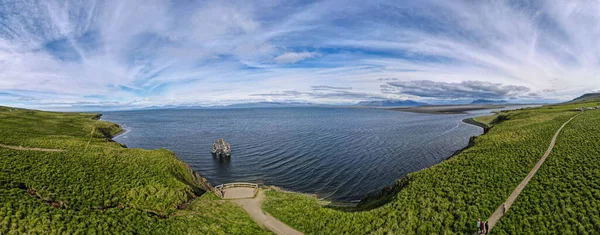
564	196
98	186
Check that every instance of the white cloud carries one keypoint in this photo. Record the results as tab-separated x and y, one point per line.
293	57
161	52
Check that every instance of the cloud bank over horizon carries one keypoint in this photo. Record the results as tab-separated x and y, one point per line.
129	54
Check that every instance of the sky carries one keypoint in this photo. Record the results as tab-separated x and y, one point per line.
61	55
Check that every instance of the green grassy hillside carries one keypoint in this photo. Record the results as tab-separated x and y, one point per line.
97	186
564	195
590	98
449	197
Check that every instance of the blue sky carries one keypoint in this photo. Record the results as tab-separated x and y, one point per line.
130	54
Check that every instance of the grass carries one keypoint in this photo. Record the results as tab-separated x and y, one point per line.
488	120
564	195
98	186
449	197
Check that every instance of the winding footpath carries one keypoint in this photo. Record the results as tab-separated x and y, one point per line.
252	207
492	220
21	148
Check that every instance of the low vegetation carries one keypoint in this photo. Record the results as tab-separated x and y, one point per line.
564	195
449	197
487	120
98	186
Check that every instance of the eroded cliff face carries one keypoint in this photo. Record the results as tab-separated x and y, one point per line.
199	181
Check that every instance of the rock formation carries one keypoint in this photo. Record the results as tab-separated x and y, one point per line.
221	148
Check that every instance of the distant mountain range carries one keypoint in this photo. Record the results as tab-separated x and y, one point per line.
243	105
485	101
372	103
381	103
389	103
267	105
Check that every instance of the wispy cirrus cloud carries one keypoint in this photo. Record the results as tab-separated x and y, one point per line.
330	88
293	57
58	54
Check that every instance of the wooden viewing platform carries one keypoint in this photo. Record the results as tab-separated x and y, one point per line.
236	190
249	197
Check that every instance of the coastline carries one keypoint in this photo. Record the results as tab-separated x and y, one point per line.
382	196
121	132
350	205
473	122
448	109
197	177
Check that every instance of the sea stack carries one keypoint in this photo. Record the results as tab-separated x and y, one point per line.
221	148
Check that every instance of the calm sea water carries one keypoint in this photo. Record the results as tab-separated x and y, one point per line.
340	154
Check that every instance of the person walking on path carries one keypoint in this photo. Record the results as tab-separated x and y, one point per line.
482	227
479	225
487	227
503	208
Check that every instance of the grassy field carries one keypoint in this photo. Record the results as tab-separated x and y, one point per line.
449	197
98	186
564	195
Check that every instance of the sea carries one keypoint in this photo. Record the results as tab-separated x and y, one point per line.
340	154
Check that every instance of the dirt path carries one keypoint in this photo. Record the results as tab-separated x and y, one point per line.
513	196
21	148
252	207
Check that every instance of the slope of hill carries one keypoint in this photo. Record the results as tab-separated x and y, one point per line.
95	185
590	97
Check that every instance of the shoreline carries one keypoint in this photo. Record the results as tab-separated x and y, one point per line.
397	186
121	129
264	186
207	186
450	109
98	116
121	132
472	121
353	203
402	182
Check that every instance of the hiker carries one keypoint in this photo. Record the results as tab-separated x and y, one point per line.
482	227
487	227
503	208
479	225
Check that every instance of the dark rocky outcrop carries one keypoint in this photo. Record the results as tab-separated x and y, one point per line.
221	148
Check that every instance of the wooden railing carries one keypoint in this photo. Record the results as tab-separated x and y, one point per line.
219	188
